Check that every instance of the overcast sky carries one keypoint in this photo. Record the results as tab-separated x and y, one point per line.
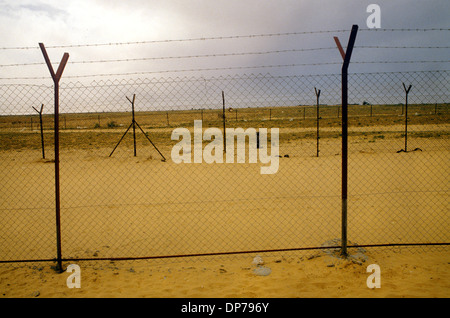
25	23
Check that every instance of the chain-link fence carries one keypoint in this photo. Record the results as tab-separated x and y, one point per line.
123	195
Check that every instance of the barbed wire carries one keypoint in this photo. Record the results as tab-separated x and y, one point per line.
397	62
221	69
224	55
405	30
217	38
218	55
399	47
174	71
251	75
173	40
178	57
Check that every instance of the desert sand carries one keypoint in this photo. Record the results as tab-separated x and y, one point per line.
404	272
125	206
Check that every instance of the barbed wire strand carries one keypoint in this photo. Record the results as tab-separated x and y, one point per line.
219	69
218	38
252	74
225	55
178	57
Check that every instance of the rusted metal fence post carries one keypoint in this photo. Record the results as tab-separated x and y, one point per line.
133	122
346	57
406	119
56	77
317	96
224	126
406	115
42	129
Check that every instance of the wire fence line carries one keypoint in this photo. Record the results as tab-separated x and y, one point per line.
217	56
243	91
120	204
220	38
248	53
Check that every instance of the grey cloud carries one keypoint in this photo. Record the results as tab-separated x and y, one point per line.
146	20
16	10
46	9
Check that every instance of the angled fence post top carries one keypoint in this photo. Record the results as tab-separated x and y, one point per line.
38	111
317	92
339	46
56	76
132	101
346	55
406	89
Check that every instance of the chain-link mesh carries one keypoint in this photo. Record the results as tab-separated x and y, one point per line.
115	204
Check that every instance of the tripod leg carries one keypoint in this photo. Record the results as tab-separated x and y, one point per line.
121	139
164	159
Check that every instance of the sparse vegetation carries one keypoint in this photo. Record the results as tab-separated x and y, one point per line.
111	124
15	131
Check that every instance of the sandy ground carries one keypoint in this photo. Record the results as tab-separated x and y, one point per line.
404	272
125	206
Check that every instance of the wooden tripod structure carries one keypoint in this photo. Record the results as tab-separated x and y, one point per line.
133	124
